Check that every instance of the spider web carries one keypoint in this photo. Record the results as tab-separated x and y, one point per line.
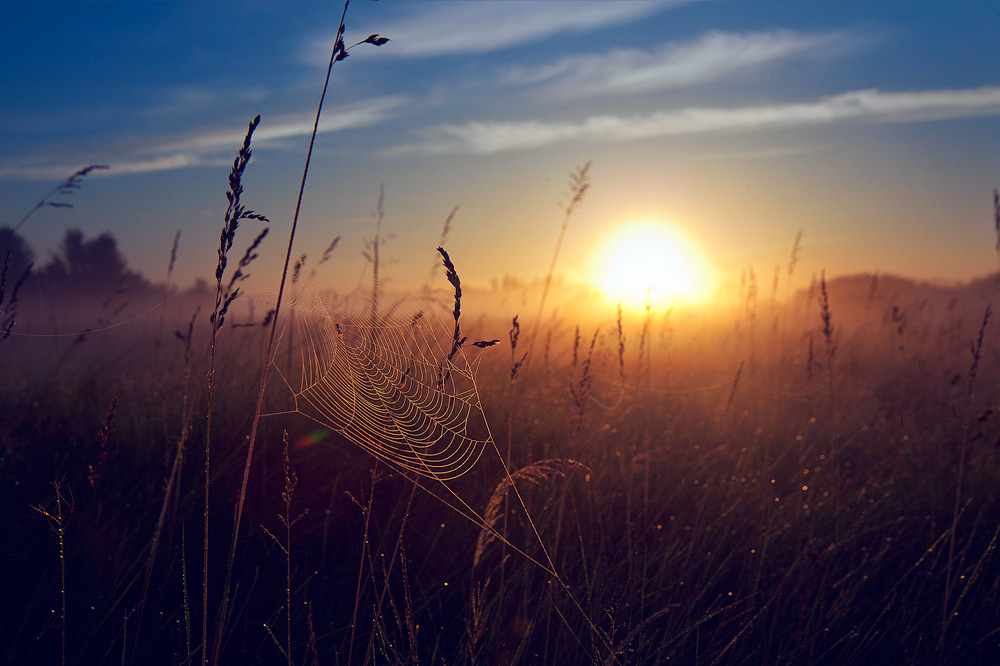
386	379
399	384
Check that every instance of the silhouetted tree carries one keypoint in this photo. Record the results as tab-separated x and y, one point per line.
15	266
21	255
89	267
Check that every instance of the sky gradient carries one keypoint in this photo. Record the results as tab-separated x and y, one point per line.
871	127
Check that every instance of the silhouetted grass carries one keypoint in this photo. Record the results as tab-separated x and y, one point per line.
737	553
663	510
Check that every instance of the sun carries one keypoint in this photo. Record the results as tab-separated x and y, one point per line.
650	263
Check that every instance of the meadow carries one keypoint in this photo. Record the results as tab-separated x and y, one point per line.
806	477
803	482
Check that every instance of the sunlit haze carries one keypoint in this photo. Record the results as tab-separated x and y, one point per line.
650	263
867	126
500	332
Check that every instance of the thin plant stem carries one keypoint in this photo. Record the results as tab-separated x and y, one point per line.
269	353
976	348
66	187
224	297
58	523
379	216
579	184
361	569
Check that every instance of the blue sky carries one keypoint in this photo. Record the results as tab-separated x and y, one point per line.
872	127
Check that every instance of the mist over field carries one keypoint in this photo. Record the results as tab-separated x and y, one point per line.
805	479
560	333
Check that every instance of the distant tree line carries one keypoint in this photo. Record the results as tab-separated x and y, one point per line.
79	267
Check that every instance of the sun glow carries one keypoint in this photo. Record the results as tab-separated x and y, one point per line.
650	263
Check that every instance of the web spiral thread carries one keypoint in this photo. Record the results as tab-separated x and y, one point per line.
384	381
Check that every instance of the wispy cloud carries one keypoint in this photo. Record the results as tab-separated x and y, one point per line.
55	172
863	105
213	147
272	130
714	56
481	27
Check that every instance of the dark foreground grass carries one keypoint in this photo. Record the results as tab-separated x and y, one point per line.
800	515
788	485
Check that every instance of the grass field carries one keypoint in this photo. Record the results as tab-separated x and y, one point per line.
805	479
740	488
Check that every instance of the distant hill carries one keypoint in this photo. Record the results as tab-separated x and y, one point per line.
871	296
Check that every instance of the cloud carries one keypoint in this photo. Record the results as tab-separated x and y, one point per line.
481	27
713	56
165	163
482	138
214	147
128	166
272	130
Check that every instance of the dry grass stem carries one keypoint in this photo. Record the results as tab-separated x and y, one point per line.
65	188
579	183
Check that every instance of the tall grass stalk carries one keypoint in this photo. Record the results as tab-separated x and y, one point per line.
579	183
338	53
976	348
371	253
830	342
291	480
366	509
485	522
512	397
185	596
643	365
173	482
442	241
786	323
829	339
65	188
58	524
397	549
224	297
8	312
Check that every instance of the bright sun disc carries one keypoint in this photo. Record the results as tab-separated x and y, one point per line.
650	262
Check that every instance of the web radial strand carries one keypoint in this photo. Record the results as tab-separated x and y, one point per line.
383	380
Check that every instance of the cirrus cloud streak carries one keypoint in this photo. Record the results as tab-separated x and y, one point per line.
489	137
210	148
481	27
714	56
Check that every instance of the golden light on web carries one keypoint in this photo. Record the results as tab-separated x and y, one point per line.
651	262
